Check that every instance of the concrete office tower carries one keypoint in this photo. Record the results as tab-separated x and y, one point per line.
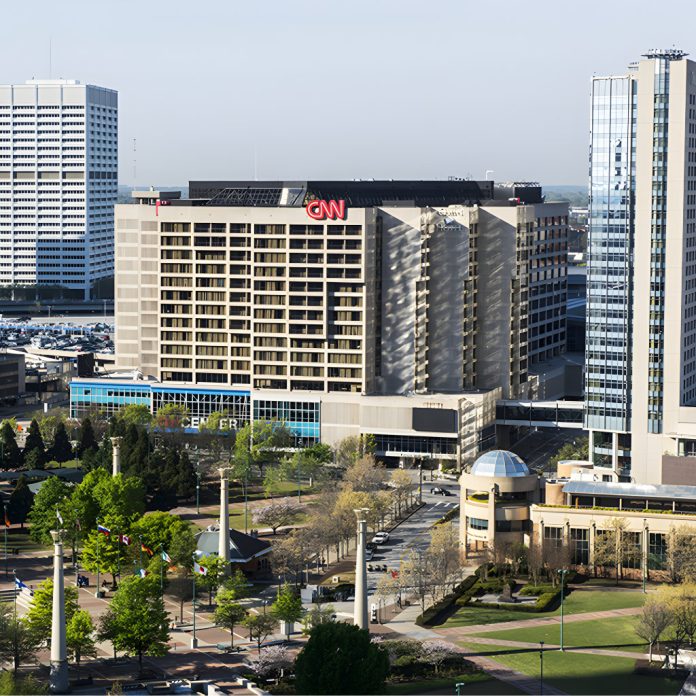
58	183
404	312
58	678
641	321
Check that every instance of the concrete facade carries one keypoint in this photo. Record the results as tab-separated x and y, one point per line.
58	183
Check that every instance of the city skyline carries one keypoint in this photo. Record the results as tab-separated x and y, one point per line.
389	90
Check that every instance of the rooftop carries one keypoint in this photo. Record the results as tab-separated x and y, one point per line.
499	464
630	490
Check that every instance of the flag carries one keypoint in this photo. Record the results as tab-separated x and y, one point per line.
201	570
59	516
103	530
7	519
142	572
20	585
147	549
125	539
166	557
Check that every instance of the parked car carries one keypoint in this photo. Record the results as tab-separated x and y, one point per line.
380	538
369	554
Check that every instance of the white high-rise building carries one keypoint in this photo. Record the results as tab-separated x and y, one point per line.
58	183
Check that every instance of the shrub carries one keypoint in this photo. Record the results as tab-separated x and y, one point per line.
536	590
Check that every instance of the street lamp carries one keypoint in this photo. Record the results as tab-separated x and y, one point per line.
541	667
459	686
562	572
198	489
645	554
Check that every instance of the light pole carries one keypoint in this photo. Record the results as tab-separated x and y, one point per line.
198	489
420	482
541	668
459	686
194	640
97	592
562	572
645	554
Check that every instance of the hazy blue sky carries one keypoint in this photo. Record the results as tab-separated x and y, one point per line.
352	89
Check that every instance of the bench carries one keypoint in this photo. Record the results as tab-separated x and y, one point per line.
225	647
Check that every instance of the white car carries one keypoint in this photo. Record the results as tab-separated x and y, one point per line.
380	538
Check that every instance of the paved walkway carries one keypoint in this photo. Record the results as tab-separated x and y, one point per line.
459	631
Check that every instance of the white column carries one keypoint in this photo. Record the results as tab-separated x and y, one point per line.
360	609
58	679
116	456
224	538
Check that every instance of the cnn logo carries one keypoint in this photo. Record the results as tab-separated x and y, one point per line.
323	210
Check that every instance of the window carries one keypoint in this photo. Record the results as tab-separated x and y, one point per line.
580	546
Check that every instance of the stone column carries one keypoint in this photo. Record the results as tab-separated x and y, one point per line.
116	456
224	538
490	535
360	608
58	679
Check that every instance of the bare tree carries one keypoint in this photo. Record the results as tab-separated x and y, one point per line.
365	475
681	553
276	514
655	618
444	555
416	576
403	487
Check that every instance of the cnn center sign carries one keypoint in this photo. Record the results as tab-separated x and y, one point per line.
326	210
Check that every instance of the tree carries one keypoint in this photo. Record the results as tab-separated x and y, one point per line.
614	548
61	449
229	612
327	663
11	685
260	626
135	414
40	615
444	555
402	486
34	443
136	620
365	475
579	450
417	575
292	551
217	569
287	607
42	517
101	553
278	513
681	553
236	586
162	528
655	618
79	636
271	661
20	502
317	615
435	652
9	450
121	500
87	440
18	642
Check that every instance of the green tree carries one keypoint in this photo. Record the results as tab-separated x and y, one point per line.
121	500
87	440
229	612
237	585
217	569
136	620
18	642
9	450
34	443
61	449
101	553
287	607
579	449
160	528
84	501
40	615
11	685
327	663
318	614
135	414
79	636
260	626
42	517
20	502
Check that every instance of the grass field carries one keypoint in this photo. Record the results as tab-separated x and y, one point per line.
579	673
577	602
480	684
618	633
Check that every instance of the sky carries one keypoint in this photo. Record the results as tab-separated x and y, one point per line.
384	89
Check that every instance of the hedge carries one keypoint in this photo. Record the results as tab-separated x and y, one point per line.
451	514
446	602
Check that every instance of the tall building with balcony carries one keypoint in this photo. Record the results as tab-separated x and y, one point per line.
58	184
641	298
323	301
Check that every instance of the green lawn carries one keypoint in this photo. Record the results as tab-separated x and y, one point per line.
618	633
577	602
579	673
237	518
480	684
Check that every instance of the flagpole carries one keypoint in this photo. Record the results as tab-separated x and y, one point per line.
14	657
161	546
194	640
98	591
6	520
118	558
140	556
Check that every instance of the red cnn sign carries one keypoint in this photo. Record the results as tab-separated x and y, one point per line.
322	210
